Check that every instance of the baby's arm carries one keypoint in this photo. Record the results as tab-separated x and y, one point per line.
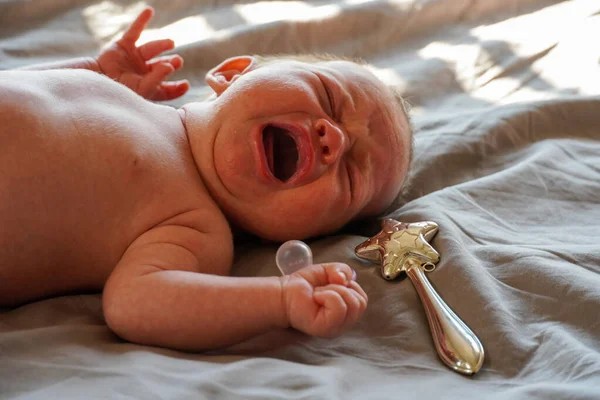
157	296
138	67
72	63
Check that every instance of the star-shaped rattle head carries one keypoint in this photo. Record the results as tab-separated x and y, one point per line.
398	242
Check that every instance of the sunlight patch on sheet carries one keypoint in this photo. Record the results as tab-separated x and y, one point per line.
546	45
106	20
359	1
389	76
549	24
532	34
184	31
497	90
463	57
464	53
265	12
511	90
479	73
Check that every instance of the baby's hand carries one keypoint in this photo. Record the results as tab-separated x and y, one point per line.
138	68
322	300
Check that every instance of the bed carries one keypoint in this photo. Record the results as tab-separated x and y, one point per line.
505	99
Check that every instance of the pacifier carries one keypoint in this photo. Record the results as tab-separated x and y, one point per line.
292	256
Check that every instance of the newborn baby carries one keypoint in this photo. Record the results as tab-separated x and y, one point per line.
103	190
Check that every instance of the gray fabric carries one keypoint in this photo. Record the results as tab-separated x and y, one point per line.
506	108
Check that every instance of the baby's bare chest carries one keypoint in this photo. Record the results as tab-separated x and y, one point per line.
83	173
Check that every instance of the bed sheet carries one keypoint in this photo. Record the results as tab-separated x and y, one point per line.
505	101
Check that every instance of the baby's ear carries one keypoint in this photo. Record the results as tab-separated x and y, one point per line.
223	75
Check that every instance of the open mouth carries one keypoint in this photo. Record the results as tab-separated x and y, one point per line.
281	150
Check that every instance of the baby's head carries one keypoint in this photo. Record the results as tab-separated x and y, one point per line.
296	147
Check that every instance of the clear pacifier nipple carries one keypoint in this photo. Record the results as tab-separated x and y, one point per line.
292	256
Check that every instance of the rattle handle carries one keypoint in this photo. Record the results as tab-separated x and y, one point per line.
456	344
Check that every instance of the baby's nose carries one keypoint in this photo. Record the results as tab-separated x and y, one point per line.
332	141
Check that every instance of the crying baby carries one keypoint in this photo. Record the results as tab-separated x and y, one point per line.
104	189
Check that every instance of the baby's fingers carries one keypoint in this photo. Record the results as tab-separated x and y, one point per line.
152	49
339	316
359	290
171	90
137	27
355	304
325	274
175	60
331	315
151	83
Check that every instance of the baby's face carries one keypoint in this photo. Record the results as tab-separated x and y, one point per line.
291	150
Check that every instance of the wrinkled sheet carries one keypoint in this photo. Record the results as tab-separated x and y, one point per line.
505	101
